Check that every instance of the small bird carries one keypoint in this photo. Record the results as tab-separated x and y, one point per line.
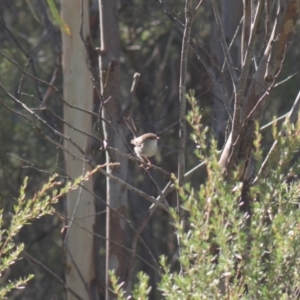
145	146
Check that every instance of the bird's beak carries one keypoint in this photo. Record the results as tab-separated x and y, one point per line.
157	137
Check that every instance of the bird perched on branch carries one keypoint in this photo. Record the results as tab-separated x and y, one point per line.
145	145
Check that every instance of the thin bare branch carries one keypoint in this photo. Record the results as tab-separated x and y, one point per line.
42	266
137	235
198	5
286	79
197	46
182	93
22	78
51	86
246	28
120	245
25	53
274	121
170	186
135	190
264	163
76	266
133	158
291	116
49	89
166	191
227	55
38	129
232	41
48	108
26	108
294	112
268	18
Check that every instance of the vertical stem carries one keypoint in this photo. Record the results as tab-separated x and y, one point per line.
246	29
182	94
182	102
116	196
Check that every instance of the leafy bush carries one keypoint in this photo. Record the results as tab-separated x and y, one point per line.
25	211
227	251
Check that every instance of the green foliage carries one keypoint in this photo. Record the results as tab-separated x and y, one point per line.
198	135
24	212
228	252
117	287
142	289
57	18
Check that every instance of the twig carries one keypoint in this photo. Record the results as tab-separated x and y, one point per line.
26	54
26	108
41	265
118	244
75	209
159	191
274	121
133	158
135	190
259	102
76	267
168	189
87	50
227	55
198	5
182	105
292	117
182	94
246	28
29	164
264	162
121	216
286	79
196	45
170	186
126	112
50	90
22	78
137	235
166	129
49	85
232	41
294	112
44	106
44	135
135	81
268	19
115	210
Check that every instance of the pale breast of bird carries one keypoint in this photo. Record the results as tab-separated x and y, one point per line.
148	148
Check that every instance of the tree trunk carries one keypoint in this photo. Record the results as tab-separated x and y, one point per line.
78	90
250	98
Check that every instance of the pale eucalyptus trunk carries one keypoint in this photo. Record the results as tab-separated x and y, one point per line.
77	91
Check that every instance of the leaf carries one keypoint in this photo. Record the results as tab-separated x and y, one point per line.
57	18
